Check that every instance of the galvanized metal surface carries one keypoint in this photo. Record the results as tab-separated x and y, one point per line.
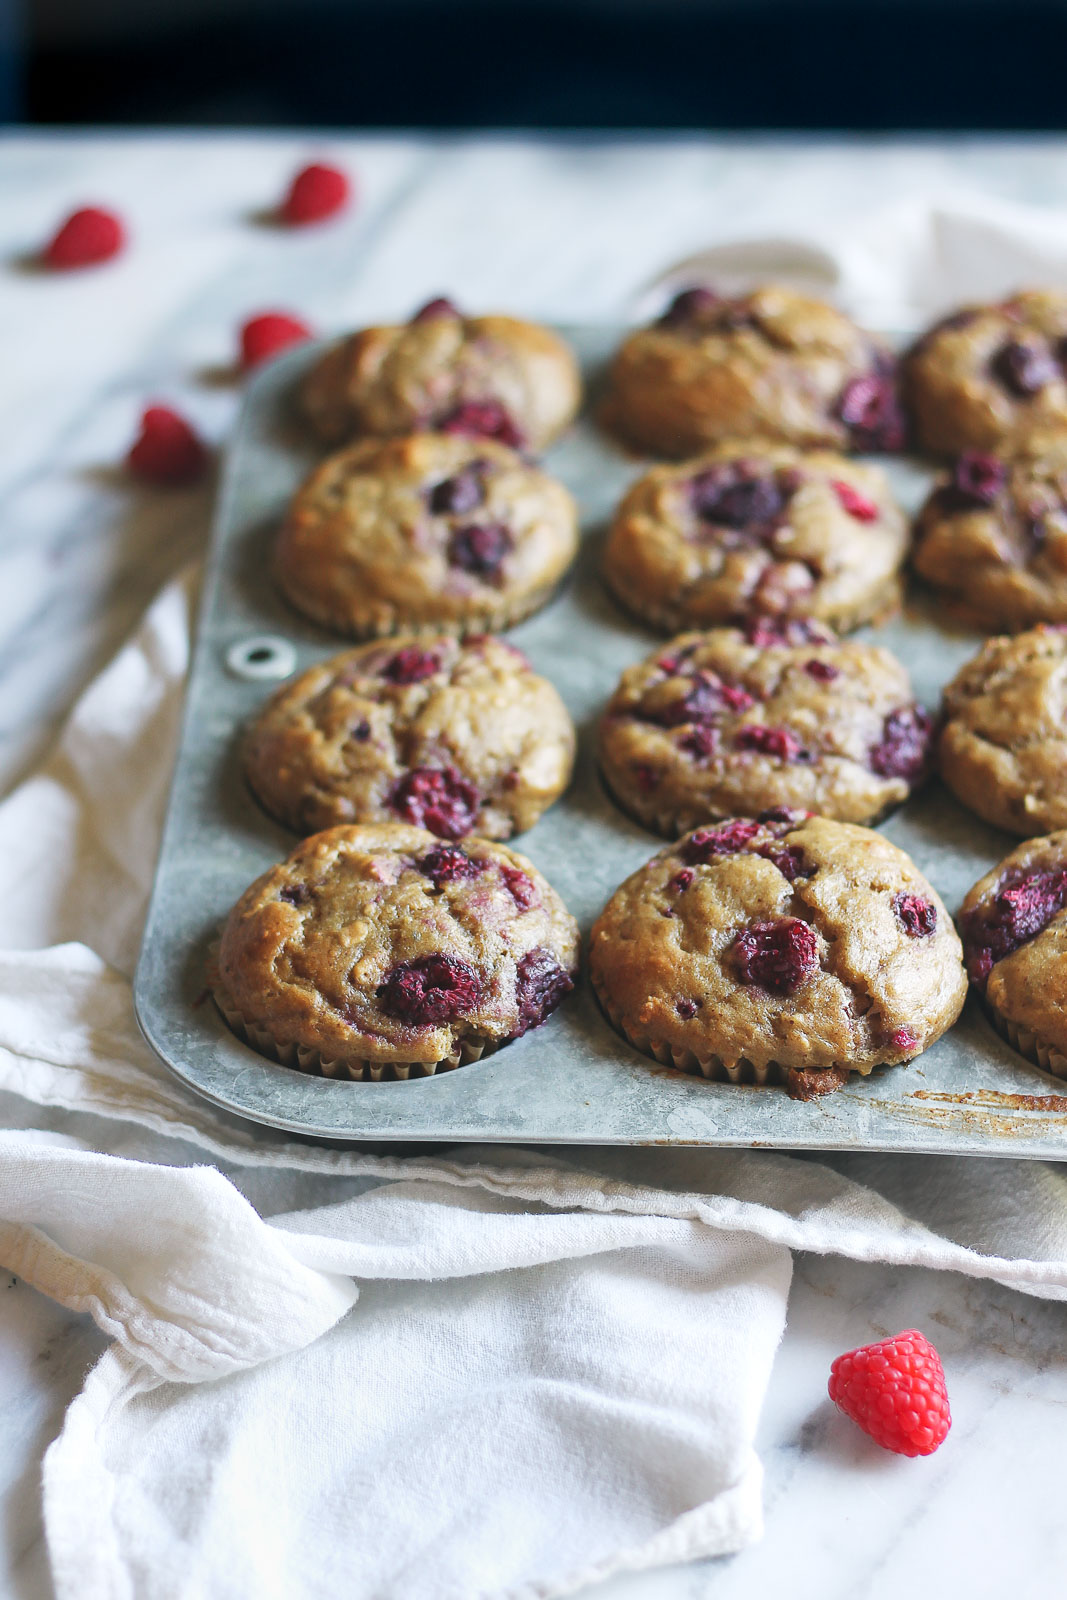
573	1081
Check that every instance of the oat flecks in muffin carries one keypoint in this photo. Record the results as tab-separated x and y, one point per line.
455	737
787	948
494	377
377	949
714	726
754	530
770	364
434	531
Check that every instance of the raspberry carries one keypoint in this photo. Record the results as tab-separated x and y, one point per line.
166	450
521	888
295	894
689	306
440	307
705	699
700	742
895	1391
727	839
871	412
777	742
857	505
361	730
821	671
916	916
785	816
483	419
687	1008
1023	369
480	548
437	798
430	989
977	479
904	1039
540	985
448	864
646	777
87	237
462	492
776	956
764	632
265	336
316	192
682	880
904	749
790	860
732	497
1021	908
410	665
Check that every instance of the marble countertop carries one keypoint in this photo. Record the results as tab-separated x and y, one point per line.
567	229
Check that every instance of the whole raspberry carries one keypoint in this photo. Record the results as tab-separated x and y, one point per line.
776	956
895	1391
448	864
483	419
317	192
88	237
439	799
265	336
166	450
411	665
431	989
857	505
540	985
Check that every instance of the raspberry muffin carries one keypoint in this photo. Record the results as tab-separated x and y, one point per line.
716	725
431	532
988	376
992	537
454	737
1014	928
378	951
766	365
1003	742
757	530
484	377
779	949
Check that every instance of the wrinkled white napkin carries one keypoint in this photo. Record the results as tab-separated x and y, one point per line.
487	1373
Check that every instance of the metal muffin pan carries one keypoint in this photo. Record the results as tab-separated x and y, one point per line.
572	1081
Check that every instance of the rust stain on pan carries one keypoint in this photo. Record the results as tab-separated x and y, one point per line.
986	1111
996	1099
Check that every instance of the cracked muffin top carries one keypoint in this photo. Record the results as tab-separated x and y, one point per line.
455	737
770	364
383	943
988	376
488	377
813	945
757	530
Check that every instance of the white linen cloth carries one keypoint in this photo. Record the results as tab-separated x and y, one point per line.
487	1373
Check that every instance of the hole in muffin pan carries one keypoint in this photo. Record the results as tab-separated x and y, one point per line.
263	657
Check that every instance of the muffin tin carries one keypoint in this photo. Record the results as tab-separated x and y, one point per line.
574	1081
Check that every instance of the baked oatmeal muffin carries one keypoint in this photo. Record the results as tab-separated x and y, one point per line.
757	529
454	737
779	949
988	376
992	537
429	532
379	951
1003	742
1014	928
770	364
489	377
717	726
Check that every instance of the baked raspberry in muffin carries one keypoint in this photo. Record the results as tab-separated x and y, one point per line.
992	536
757	530
989	376
434	531
381	951
486	377
1014	928
780	948
717	725
454	737
766	365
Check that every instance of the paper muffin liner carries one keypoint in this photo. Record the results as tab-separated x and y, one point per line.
487	619
301	1058
1028	1043
707	1066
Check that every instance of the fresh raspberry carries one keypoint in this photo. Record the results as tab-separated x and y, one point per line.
480	548
166	450
904	749
871	412
437	798
540	985
895	1391
977	479
777	742
689	306
857	505
265	336
520	887
462	492
821	671
776	956
431	989
316	192
448	864
440	307
87	237
1023	369
483	419
707	844
918	917
410	665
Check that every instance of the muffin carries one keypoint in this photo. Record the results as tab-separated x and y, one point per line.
992	537
784	949
431	532
486	377
378	951
1003	742
988	376
1014	928
715	726
757	530
769	365
454	737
